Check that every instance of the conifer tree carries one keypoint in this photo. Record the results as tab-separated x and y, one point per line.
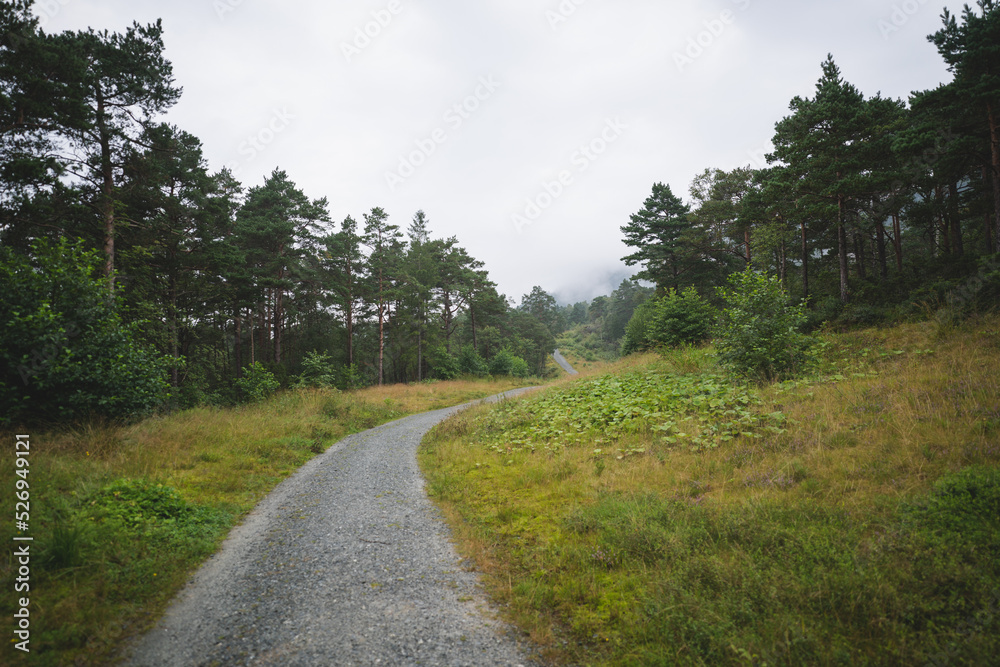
656	232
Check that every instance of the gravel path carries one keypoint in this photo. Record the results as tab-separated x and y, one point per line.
561	360
347	562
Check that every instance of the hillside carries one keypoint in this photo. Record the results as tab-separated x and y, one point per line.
651	512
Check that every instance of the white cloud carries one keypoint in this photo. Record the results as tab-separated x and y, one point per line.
558	87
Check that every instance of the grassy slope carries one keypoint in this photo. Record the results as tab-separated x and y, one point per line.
121	515
659	516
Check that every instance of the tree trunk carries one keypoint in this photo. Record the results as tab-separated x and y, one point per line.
842	248
238	345
880	249
381	327
954	217
265	334
278	304
107	205
782	265
746	243
995	153
174	343
944	238
349	316
253	348
472	315
988	223
859	256
805	264
897	241
420	353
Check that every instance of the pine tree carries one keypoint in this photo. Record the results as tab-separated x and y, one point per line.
125	83
972	51
344	266
657	233
385	244
821	144
277	227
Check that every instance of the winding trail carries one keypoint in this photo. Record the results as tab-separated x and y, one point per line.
561	360
347	562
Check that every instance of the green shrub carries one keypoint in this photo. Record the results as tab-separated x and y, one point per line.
349	377
257	383
507	363
634	339
470	362
445	366
317	371
678	318
758	336
64	351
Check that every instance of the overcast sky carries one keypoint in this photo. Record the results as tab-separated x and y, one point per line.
531	130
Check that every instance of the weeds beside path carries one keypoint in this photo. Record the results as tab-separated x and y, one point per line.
346	563
121	516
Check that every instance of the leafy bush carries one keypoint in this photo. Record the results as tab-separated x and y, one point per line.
678	318
317	371
349	377
64	351
634	339
758	336
257	383
506	363
445	366
470	362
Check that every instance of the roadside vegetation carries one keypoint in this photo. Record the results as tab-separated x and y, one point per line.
658	513
121	515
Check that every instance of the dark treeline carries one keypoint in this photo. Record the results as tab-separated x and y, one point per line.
217	277
867	206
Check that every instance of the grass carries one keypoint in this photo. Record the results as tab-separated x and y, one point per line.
121	515
654	514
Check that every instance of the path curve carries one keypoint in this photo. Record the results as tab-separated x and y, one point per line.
347	562
561	360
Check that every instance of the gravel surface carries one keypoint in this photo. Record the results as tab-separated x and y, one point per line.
561	360
347	562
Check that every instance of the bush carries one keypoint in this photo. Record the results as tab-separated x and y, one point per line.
470	362
758	336
64	351
679	318
257	383
317	371
349	377
634	339
445	366
506	363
